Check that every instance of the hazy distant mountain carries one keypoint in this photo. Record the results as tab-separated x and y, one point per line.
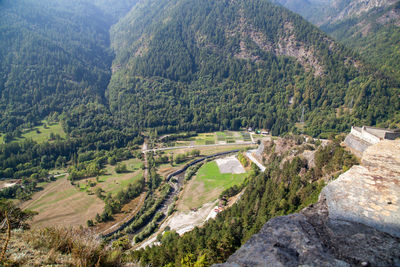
322	12
312	10
371	27
375	34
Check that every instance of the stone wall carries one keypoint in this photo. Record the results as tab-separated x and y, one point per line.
364	135
357	145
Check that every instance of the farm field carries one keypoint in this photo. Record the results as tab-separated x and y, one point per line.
207	185
178	143
112	182
206	151
214	138
204	139
60	203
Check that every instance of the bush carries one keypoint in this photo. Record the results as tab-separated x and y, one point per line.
120	168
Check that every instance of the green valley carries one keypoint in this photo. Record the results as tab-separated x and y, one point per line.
169	132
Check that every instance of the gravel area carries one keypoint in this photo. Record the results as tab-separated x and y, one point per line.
230	165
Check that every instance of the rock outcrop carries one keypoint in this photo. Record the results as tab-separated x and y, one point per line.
356	221
370	193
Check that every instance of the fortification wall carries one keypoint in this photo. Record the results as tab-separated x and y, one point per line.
356	144
392	136
364	135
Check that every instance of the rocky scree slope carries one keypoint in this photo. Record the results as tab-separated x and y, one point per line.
355	222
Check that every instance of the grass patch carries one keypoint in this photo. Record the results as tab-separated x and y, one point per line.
41	133
113	186
208	185
113	182
211	177
60	203
60	196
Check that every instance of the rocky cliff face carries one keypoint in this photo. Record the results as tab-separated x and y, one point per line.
356	221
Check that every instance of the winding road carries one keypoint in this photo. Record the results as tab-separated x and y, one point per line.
249	154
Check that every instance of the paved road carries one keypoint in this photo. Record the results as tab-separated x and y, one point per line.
195	146
249	154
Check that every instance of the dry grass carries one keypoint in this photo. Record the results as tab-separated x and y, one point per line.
60	203
194	196
21	253
84	247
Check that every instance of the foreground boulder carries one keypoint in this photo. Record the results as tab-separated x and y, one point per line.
356	222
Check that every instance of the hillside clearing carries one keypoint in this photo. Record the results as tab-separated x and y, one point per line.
111	181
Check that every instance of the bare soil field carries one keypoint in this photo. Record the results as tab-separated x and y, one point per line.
60	203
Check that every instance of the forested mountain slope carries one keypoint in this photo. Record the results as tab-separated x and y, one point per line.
181	65
54	55
225	64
